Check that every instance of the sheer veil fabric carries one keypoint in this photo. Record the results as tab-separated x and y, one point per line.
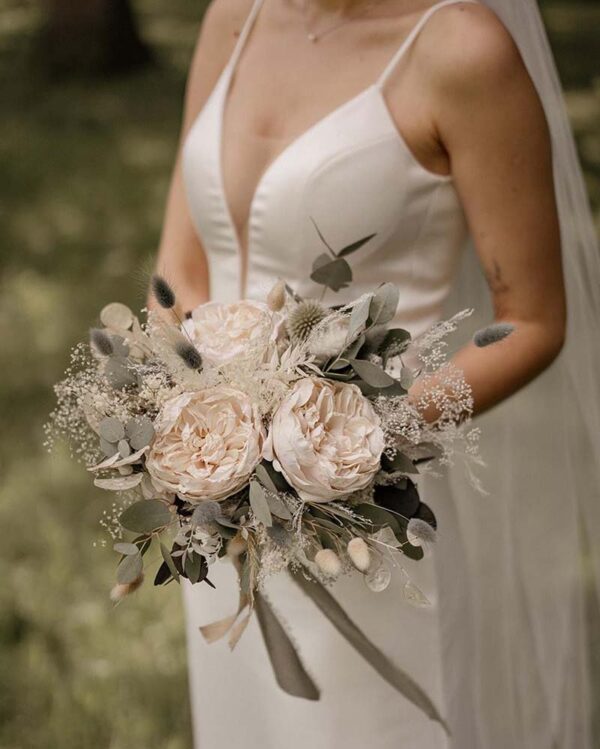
505	651
543	478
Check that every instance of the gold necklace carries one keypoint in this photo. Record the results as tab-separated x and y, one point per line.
314	36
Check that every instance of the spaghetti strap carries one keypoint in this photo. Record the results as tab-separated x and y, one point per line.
246	29
412	36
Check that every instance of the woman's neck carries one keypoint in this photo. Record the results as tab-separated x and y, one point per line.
338	6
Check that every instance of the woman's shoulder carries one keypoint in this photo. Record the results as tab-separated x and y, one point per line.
225	18
471	47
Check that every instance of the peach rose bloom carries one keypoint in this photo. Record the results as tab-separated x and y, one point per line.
207	444
325	439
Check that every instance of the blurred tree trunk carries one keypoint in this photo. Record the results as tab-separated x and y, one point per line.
91	36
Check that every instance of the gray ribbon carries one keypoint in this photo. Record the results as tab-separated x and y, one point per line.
289	671
399	679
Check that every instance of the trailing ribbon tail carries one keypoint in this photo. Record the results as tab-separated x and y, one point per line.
289	671
399	679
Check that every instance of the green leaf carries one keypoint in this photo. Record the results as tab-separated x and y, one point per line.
358	318
395	342
336	274
140	431
270	478
320	261
130	568
146	516
399	462
377	515
354	347
366	389
259	504
163	574
166	555
354	246
278	507
127	549
194	566
384	304
111	429
371	373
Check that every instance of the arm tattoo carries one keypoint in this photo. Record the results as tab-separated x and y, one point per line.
495	280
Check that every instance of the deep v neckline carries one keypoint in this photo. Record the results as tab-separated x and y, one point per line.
376	89
273	163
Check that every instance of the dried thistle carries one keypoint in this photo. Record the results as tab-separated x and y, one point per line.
304	318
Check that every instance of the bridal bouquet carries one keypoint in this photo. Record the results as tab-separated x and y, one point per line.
279	433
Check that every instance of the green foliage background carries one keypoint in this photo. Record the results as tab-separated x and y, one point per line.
84	168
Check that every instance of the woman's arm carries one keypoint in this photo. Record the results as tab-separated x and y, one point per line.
181	257
492	126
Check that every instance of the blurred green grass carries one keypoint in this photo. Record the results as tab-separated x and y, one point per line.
84	167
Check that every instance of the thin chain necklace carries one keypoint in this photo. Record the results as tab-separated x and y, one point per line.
314	36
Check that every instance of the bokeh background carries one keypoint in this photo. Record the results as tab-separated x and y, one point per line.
90	99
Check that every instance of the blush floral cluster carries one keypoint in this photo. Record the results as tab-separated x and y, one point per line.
279	434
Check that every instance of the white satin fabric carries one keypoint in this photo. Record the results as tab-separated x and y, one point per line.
503	681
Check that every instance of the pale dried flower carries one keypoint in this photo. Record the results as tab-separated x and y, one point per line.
359	554
328	562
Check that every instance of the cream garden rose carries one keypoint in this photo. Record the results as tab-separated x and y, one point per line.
207	444
223	331
325	439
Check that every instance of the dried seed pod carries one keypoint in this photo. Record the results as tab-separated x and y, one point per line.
359	553
276	297
328	562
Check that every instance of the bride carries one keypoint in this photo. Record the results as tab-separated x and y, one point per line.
437	127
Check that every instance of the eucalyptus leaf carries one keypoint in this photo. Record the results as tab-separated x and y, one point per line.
130	568
259	504
125	548
119	483
366	389
384	304
166	555
406	377
395	342
399	462
377	515
120	346
336	274
338	364
322	259
140	431
371	373
118	373
146	516
358	318
163	574
270	478
194	566
277	506
354	246
354	347
108	448
404	501
124	448
111	429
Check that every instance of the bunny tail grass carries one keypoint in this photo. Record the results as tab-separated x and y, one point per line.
189	354
492	334
101	342
162	291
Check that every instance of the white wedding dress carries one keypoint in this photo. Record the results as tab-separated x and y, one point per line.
501	681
